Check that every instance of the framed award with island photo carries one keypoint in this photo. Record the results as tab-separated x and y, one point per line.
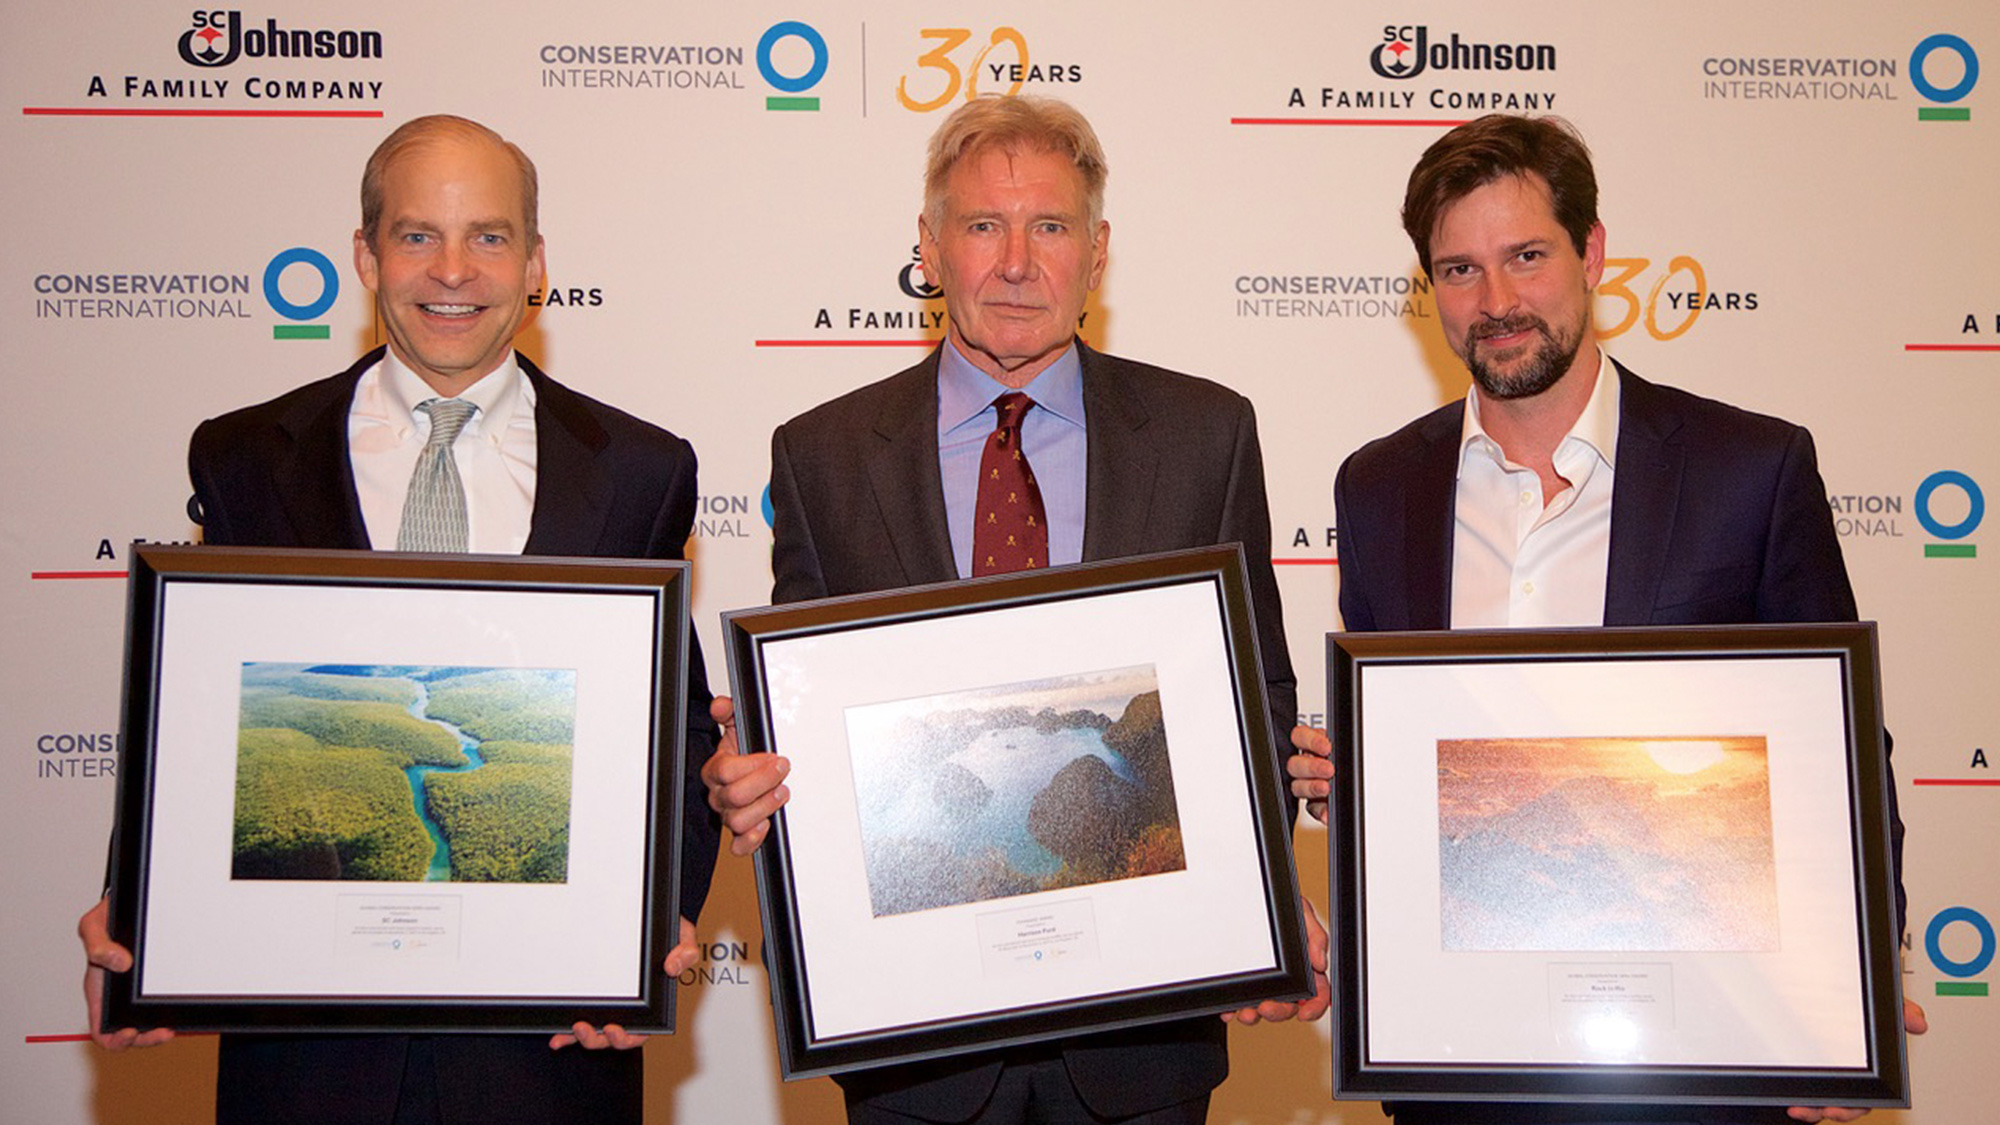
1022	807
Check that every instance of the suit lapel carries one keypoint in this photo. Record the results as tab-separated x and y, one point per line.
315	482
902	466
1429	502
1121	462
1645	499
573	487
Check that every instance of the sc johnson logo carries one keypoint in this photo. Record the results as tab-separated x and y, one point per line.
1949	507
1406	52
1932	72
1960	943
219	38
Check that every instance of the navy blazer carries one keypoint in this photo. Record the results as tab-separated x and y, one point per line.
1173	462
1718	517
607	484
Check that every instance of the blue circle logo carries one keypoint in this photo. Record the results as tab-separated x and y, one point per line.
770	514
1975	504
1979	924
786	30
1937	42
329	283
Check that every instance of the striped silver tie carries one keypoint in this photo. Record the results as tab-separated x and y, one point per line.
434	511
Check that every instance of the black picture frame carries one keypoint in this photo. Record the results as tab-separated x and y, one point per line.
225	938
1504	714
856	984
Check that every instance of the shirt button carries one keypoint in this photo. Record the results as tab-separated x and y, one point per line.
1527	497
1527	587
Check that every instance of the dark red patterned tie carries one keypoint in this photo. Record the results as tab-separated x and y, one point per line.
1011	530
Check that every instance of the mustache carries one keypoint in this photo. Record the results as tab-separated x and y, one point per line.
1519	323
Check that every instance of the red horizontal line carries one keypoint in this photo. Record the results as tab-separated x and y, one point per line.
846	343
1305	562
1420	121
66	574
1951	347
96	111
1954	781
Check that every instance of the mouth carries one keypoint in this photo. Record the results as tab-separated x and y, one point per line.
451	312
1508	334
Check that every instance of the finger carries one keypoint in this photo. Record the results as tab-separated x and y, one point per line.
723	710
745	819
1312	740
621	1039
1914	1020
1304	766
740	781
1276	1011
559	1041
743	843
1317	809
1312	791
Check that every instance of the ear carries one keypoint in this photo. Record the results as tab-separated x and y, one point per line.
927	253
364	262
1593	256
1100	252
538	266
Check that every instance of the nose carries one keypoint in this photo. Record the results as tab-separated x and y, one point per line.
1017	257
453	265
1497	296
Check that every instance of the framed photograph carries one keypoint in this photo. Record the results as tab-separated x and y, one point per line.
1619	865
377	791
1022	807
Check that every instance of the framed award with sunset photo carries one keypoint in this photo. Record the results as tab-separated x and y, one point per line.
1616	865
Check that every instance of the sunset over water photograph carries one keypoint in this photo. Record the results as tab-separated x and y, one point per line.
1613	844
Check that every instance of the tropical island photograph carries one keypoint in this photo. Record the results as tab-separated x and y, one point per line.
1013	789
403	773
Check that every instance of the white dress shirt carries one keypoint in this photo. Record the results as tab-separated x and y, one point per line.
1518	561
495	453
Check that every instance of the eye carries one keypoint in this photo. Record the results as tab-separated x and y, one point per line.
415	238
1533	256
980	226
492	239
1051	226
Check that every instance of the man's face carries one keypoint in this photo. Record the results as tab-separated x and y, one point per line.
1016	256
1512	292
452	266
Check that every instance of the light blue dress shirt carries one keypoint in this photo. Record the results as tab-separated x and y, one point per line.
1052	435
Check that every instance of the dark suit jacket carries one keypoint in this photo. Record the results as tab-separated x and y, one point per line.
607	484
1718	517
1173	462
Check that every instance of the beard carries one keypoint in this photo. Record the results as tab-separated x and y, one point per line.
1537	372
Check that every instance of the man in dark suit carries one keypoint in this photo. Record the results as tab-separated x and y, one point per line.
450	247
1565	490
881	488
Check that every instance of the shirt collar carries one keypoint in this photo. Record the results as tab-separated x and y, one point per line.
1596	429
498	394
965	392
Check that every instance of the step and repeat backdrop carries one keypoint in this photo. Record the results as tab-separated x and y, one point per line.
1801	221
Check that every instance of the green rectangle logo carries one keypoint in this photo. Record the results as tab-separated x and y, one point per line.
1951	551
301	332
1961	988
810	105
1944	113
